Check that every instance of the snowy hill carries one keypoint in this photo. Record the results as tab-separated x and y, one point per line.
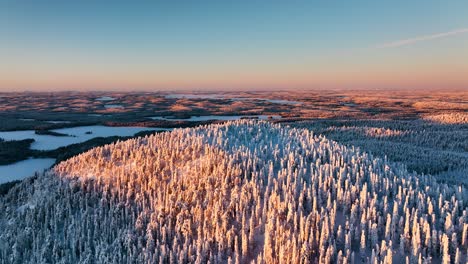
242	192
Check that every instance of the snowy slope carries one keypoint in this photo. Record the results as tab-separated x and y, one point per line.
240	192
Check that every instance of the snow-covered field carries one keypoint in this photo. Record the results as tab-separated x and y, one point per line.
77	135
241	192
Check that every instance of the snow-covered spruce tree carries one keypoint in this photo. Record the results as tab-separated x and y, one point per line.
242	192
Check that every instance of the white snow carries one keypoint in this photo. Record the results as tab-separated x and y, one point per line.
240	192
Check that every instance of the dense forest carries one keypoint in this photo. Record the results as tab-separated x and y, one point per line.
241	192
427	147
13	151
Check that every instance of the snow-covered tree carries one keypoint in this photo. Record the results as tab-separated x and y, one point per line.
240	192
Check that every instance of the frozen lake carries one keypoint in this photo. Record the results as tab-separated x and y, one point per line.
223	96
59	122
195	96
215	117
77	135
286	102
110	106
105	98
47	121
23	169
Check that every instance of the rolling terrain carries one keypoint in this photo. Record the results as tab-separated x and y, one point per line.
240	192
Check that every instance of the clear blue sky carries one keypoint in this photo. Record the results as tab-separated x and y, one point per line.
52	45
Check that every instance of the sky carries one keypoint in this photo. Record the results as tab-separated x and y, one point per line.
232	45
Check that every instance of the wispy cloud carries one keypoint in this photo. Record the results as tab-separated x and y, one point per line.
405	42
